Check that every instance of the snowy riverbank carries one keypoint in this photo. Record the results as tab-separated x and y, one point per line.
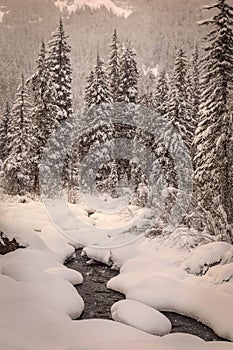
38	300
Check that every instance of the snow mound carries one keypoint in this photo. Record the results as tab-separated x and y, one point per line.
73	5
120	255
208	255
72	276
203	303
56	242
221	273
141	316
97	334
142	267
125	281
28	316
58	293
101	255
22	272
177	337
117	256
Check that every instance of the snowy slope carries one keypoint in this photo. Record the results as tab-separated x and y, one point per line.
74	5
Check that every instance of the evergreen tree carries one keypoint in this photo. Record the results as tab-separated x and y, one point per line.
180	107
60	73
17	165
136	174
45	108
97	90
38	82
98	96
142	193
147	95
147	98
128	75
213	140
44	112
112	180
195	85
4	124
160	95
114	67
89	91
59	96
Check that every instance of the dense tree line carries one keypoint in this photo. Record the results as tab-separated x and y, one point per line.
213	138
42	103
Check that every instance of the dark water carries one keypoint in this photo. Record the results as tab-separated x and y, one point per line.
98	299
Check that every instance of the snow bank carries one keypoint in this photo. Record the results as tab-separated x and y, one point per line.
221	273
140	316
30	225
72	276
31	282
38	301
157	278
144	266
207	255
117	256
205	304
120	255
101	255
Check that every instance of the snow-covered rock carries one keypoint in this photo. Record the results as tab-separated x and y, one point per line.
141	316
201	302
221	273
98	254
72	276
207	255
120	255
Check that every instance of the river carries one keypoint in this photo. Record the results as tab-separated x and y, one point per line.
98	299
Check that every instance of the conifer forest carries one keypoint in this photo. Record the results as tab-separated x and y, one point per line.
116	160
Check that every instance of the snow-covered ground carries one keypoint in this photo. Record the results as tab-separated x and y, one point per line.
38	303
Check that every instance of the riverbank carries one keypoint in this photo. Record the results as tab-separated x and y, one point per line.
98	298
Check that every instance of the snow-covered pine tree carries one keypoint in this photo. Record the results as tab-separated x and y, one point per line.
160	95
180	106
141	195
136	174
213	140
17	165
4	123
89	91
59	96
98	95
159	102
114	67
60	72
112	180
37	83
128	75
195	73
147	91
97	90
147	99
44	112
